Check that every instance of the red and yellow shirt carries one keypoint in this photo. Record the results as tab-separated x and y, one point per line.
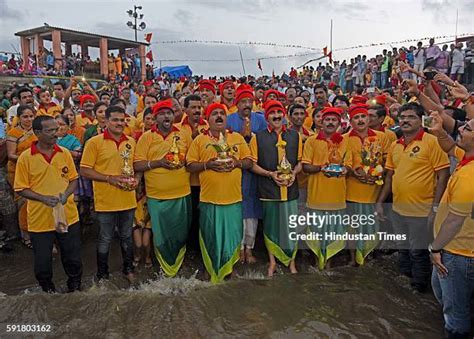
220	188
47	176
162	183
326	193
378	143
82	120
103	154
458	199
50	109
414	177
185	126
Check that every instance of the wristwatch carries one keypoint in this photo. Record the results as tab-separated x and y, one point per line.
435	209
432	250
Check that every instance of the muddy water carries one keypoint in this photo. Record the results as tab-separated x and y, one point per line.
344	302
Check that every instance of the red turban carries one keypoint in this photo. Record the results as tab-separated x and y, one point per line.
243	91
273	105
381	100
86	97
358	99
224	84
332	85
212	107
207	84
148	83
358	109
332	111
270	91
162	105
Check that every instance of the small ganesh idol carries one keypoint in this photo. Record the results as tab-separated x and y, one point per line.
174	156
127	170
285	172
224	151
335	165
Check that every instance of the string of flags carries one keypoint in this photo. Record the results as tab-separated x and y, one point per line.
317	51
254	43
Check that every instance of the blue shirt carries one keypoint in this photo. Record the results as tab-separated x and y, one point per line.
2	129
50	59
257	122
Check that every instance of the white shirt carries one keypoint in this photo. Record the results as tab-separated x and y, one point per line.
419	59
458	57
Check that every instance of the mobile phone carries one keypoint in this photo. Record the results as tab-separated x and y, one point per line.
370	89
426	121
429	75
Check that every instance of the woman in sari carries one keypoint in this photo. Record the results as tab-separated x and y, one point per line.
74	129
67	140
142	224
19	139
93	130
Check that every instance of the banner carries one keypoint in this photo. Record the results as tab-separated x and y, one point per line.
148	37
149	55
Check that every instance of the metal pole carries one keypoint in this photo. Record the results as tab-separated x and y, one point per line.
330	42
242	60
456	34
135	16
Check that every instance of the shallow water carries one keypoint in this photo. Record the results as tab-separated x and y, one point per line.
346	302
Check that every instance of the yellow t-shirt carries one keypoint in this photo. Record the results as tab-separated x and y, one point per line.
162	183
326	193
388	122
356	190
102	153
220	188
46	176
414	177
84	121
203	127
390	135
51	109
131	125
459	200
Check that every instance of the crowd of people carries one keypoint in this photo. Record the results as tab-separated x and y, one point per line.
203	162
378	71
127	66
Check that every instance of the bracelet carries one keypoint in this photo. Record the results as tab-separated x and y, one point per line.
107	179
205	167
149	165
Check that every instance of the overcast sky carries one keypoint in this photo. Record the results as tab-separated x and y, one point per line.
298	22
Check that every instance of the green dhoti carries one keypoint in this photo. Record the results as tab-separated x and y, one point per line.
170	222
220	236
276	230
364	247
327	247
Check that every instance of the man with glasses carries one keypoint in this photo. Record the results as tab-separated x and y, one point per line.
103	161
46	176
417	174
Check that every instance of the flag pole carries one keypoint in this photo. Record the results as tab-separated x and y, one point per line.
330	40
242	60
456	33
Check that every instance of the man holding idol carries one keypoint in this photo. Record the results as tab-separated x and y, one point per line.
276	153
